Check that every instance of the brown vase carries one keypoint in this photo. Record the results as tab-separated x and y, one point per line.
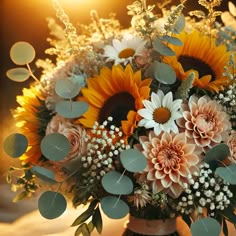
144	227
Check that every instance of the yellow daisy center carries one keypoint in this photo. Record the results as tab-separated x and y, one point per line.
126	53
161	115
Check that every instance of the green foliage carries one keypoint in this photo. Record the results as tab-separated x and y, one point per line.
69	109
43	174
51	204
162	48
114	208
217	153
66	88
116	183
205	227
15	145
22	53
172	40
163	73
133	160
227	173
55	146
93	212
18	74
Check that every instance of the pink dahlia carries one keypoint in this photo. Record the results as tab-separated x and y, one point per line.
170	161
204	121
232	146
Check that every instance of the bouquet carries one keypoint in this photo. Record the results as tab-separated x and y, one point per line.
137	121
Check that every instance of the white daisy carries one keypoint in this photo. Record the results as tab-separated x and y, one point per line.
160	113
125	50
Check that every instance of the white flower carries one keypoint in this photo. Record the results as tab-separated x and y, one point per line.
160	113
125	50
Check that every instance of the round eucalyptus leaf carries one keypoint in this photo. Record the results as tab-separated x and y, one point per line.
114	207
133	160
163	73
18	74
205	227
22	53
162	48
179	25
70	109
218	152
116	183
55	146
51	204
15	145
227	173
66	88
43	173
172	40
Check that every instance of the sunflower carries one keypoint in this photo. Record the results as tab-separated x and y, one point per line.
199	54
116	93
31	118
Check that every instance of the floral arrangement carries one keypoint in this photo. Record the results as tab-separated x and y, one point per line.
138	120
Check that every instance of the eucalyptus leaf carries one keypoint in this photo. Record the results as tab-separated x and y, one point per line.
133	160
18	74
69	109
55	146
15	145
227	173
116	183
172	40
179	25
114	207
22	53
217	153
205	227
51	204
162	48
163	73
66	88
43	173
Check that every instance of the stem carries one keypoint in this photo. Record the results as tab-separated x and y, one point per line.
31	73
117	201
121	176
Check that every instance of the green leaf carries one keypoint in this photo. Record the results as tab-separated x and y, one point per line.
227	173
187	220
85	229
133	160
225	228
216	153
229	214
70	109
83	217
116	183
15	145
114	207
179	25
18	74
162	48
20	196
172	40
22	53
43	173
97	220
55	146
66	88
205	227
51	204
90	226
163	73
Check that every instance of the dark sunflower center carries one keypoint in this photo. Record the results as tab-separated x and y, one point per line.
117	107
203	68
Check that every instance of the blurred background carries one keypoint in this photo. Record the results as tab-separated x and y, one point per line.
25	20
